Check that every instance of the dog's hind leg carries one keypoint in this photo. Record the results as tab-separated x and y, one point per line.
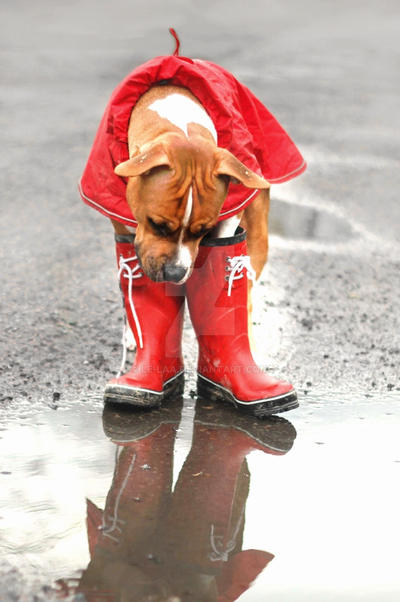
226	367
255	222
154	313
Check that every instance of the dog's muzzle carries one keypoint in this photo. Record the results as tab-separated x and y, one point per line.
174	273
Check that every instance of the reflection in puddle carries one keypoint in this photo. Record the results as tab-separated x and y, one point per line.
316	521
293	221
152	542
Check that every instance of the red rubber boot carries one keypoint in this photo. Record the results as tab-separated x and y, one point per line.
154	312
217	298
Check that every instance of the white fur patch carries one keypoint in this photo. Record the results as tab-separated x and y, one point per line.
181	111
226	227
183	257
188	209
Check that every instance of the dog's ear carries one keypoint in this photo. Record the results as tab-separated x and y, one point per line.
228	165
140	162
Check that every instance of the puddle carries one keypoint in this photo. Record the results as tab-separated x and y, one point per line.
198	503
299	222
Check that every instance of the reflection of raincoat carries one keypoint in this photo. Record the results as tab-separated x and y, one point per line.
244	126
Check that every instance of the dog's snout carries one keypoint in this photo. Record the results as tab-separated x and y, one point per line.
174	273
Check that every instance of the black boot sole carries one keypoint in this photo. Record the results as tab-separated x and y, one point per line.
207	389
144	398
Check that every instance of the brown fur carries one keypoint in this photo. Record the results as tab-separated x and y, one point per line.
163	165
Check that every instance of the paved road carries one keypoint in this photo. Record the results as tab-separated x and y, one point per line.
329	302
327	309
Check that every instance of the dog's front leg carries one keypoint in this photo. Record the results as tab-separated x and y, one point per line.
121	229
154	313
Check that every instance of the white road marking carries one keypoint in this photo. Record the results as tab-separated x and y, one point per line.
183	255
188	209
181	111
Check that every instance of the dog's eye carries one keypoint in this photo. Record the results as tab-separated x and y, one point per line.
160	228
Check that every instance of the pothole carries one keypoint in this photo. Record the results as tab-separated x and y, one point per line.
293	221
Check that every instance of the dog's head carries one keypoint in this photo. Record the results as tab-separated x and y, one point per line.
176	188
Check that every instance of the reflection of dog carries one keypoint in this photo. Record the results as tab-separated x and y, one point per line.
175	203
154	541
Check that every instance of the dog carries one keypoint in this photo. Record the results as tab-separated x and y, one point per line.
178	179
182	165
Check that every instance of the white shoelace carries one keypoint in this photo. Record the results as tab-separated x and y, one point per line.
236	266
111	523
219	553
132	273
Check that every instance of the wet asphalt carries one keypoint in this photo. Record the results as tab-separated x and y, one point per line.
327	307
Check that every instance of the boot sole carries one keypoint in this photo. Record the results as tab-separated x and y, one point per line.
207	389
144	398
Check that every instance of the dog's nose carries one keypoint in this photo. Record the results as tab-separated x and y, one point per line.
174	273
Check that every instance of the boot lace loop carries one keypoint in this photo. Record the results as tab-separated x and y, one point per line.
126	270
235	267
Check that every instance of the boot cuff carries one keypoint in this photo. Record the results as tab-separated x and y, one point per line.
239	236
124	238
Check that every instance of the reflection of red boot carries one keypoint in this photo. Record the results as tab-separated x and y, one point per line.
124	539
274	435
154	312
211	493
217	298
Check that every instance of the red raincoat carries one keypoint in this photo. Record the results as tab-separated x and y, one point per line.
244	127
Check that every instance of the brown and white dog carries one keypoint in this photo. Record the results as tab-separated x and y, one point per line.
178	180
175	191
